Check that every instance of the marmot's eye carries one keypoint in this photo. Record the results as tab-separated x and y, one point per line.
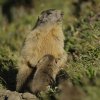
48	13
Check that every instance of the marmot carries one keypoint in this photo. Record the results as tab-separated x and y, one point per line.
66	90
44	75
46	38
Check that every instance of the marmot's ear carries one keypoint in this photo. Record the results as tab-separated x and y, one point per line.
40	19
39	16
56	61
43	12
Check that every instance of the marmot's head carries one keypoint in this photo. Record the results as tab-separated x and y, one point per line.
50	16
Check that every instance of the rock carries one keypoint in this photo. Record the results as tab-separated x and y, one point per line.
4	94
2	97
13	95
29	96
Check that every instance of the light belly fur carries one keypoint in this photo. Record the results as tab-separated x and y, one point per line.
50	45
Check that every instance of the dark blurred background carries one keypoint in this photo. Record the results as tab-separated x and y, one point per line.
12	8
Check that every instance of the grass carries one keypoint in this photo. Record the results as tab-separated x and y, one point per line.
83	46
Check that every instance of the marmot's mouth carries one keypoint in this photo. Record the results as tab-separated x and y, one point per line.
60	19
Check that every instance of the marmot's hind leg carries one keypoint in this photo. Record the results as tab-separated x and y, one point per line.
23	76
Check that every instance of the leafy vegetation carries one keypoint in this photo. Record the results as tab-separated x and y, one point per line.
82	42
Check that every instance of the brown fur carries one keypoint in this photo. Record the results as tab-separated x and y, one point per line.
46	38
44	76
70	92
66	90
